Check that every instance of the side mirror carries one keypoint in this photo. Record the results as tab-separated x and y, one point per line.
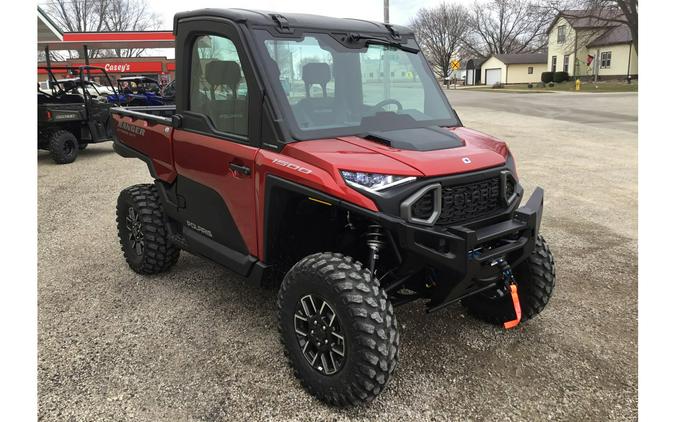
177	121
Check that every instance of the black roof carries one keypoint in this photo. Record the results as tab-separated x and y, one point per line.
295	20
137	79
476	62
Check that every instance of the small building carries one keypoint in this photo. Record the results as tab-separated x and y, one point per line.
584	46
473	70
51	36
513	68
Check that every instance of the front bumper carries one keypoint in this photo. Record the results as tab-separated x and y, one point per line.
462	255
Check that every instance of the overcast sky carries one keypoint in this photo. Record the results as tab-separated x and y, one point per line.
400	11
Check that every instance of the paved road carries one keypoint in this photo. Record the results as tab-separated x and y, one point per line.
199	344
601	110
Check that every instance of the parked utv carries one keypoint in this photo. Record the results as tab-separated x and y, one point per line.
137	91
320	156
72	113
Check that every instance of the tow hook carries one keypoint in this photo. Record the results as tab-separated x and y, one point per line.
512	287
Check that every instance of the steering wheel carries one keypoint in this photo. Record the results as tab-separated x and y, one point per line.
388	101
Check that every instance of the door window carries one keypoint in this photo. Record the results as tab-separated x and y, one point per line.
218	87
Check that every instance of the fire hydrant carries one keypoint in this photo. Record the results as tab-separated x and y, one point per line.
578	85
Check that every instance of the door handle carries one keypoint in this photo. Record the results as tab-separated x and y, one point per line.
240	169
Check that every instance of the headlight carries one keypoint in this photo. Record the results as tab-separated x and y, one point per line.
373	182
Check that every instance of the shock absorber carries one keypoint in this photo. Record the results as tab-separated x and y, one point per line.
375	241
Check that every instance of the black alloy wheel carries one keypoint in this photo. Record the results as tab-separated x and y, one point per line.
135	229
319	334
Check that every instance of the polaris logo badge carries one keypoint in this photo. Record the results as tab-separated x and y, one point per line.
131	129
291	166
198	228
466	160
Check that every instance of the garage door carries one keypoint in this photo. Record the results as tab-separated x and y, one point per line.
492	76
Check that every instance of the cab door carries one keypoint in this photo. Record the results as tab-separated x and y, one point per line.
216	142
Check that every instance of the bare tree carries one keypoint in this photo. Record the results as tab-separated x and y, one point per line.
507	26
439	31
103	15
130	15
76	16
606	13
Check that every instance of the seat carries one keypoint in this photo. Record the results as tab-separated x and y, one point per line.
228	114
320	111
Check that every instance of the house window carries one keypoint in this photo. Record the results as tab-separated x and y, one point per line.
530	70
554	63
566	63
561	34
605	59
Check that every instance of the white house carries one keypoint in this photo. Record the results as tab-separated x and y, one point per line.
513	68
583	46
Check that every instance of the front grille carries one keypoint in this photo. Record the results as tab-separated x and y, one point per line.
461	202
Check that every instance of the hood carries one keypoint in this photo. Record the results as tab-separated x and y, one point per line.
477	151
467	151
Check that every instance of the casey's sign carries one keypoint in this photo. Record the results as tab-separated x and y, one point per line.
117	67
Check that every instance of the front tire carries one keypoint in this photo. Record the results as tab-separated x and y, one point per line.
63	146
351	314
142	230
535	278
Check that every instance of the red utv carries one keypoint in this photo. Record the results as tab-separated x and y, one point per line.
320	156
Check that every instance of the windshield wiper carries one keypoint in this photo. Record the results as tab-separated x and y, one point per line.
369	39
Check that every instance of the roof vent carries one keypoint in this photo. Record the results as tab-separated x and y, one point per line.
394	33
282	22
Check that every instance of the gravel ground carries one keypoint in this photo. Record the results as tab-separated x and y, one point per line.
200	344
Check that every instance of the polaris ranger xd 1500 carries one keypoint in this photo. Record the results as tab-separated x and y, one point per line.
320	156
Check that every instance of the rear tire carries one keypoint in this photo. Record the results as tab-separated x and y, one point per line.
141	227
357	310
535	278
63	146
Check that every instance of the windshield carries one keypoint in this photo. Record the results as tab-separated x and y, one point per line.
328	89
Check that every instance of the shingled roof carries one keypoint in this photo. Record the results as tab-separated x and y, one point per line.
584	19
616	35
527	58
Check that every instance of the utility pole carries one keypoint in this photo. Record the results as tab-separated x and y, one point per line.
385	53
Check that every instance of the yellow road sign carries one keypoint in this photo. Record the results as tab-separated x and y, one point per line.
454	65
